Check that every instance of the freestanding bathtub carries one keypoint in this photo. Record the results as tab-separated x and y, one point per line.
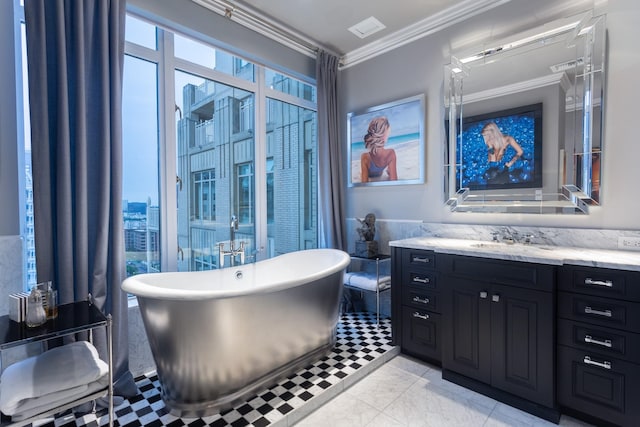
217	336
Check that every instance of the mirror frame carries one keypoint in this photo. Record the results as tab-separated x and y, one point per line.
578	186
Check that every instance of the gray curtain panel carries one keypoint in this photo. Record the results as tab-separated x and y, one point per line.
330	157
75	56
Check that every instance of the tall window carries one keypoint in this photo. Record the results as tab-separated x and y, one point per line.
141	174
29	231
235	142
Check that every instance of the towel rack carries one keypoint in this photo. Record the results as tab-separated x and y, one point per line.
80	316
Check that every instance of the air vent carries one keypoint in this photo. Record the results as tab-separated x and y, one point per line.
564	66
367	27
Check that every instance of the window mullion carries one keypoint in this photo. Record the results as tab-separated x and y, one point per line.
167	141
261	165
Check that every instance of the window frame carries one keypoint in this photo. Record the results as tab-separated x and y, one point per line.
168	64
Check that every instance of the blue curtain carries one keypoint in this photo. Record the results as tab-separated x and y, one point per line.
75	56
330	157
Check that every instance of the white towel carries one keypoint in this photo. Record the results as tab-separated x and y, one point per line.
37	405
55	370
366	281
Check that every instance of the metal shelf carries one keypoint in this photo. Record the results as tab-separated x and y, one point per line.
81	316
377	259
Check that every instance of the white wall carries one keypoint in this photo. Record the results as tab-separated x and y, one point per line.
418	68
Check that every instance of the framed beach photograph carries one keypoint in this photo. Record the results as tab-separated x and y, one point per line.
386	143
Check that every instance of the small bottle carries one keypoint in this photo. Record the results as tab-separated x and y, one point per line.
36	315
51	301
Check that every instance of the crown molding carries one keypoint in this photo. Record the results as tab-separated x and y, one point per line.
430	25
262	24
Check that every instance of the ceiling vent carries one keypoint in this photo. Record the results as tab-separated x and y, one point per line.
367	27
564	66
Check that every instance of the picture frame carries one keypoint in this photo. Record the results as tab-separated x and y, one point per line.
399	155
481	166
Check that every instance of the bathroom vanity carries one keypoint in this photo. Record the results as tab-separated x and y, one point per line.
543	329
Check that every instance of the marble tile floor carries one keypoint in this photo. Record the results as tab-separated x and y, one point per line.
407	392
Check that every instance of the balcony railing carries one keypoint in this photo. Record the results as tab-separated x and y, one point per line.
204	133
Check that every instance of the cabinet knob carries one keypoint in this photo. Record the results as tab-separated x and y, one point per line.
483	294
495	298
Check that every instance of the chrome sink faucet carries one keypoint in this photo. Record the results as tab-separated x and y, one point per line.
232	252
510	237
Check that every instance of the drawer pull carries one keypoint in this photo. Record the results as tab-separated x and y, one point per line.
590	281
605	313
420	316
606	365
421	280
589	339
424	260
421	300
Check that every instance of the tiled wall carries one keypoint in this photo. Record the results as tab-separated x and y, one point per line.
10	269
140	357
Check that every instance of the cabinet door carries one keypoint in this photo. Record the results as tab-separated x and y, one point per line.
598	385
522	353
466	329
420	333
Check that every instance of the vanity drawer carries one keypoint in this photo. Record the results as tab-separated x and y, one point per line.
603	387
600	311
610	342
419	258
603	282
421	333
421	279
539	277
421	299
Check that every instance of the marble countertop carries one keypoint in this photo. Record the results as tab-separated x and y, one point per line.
555	255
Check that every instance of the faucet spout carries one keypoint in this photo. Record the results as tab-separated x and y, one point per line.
233	228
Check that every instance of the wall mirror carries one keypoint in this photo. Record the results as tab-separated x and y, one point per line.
524	120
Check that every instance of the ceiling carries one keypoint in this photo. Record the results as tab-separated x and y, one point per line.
311	24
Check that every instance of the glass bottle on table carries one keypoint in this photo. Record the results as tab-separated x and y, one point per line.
36	314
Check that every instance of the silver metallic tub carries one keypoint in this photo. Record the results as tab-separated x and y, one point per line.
218	336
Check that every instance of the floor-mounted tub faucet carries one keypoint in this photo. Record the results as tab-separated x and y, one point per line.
232	252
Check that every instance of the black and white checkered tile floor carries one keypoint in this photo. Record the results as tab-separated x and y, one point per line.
361	347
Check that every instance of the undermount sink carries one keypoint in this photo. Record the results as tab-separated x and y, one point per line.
507	245
488	245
